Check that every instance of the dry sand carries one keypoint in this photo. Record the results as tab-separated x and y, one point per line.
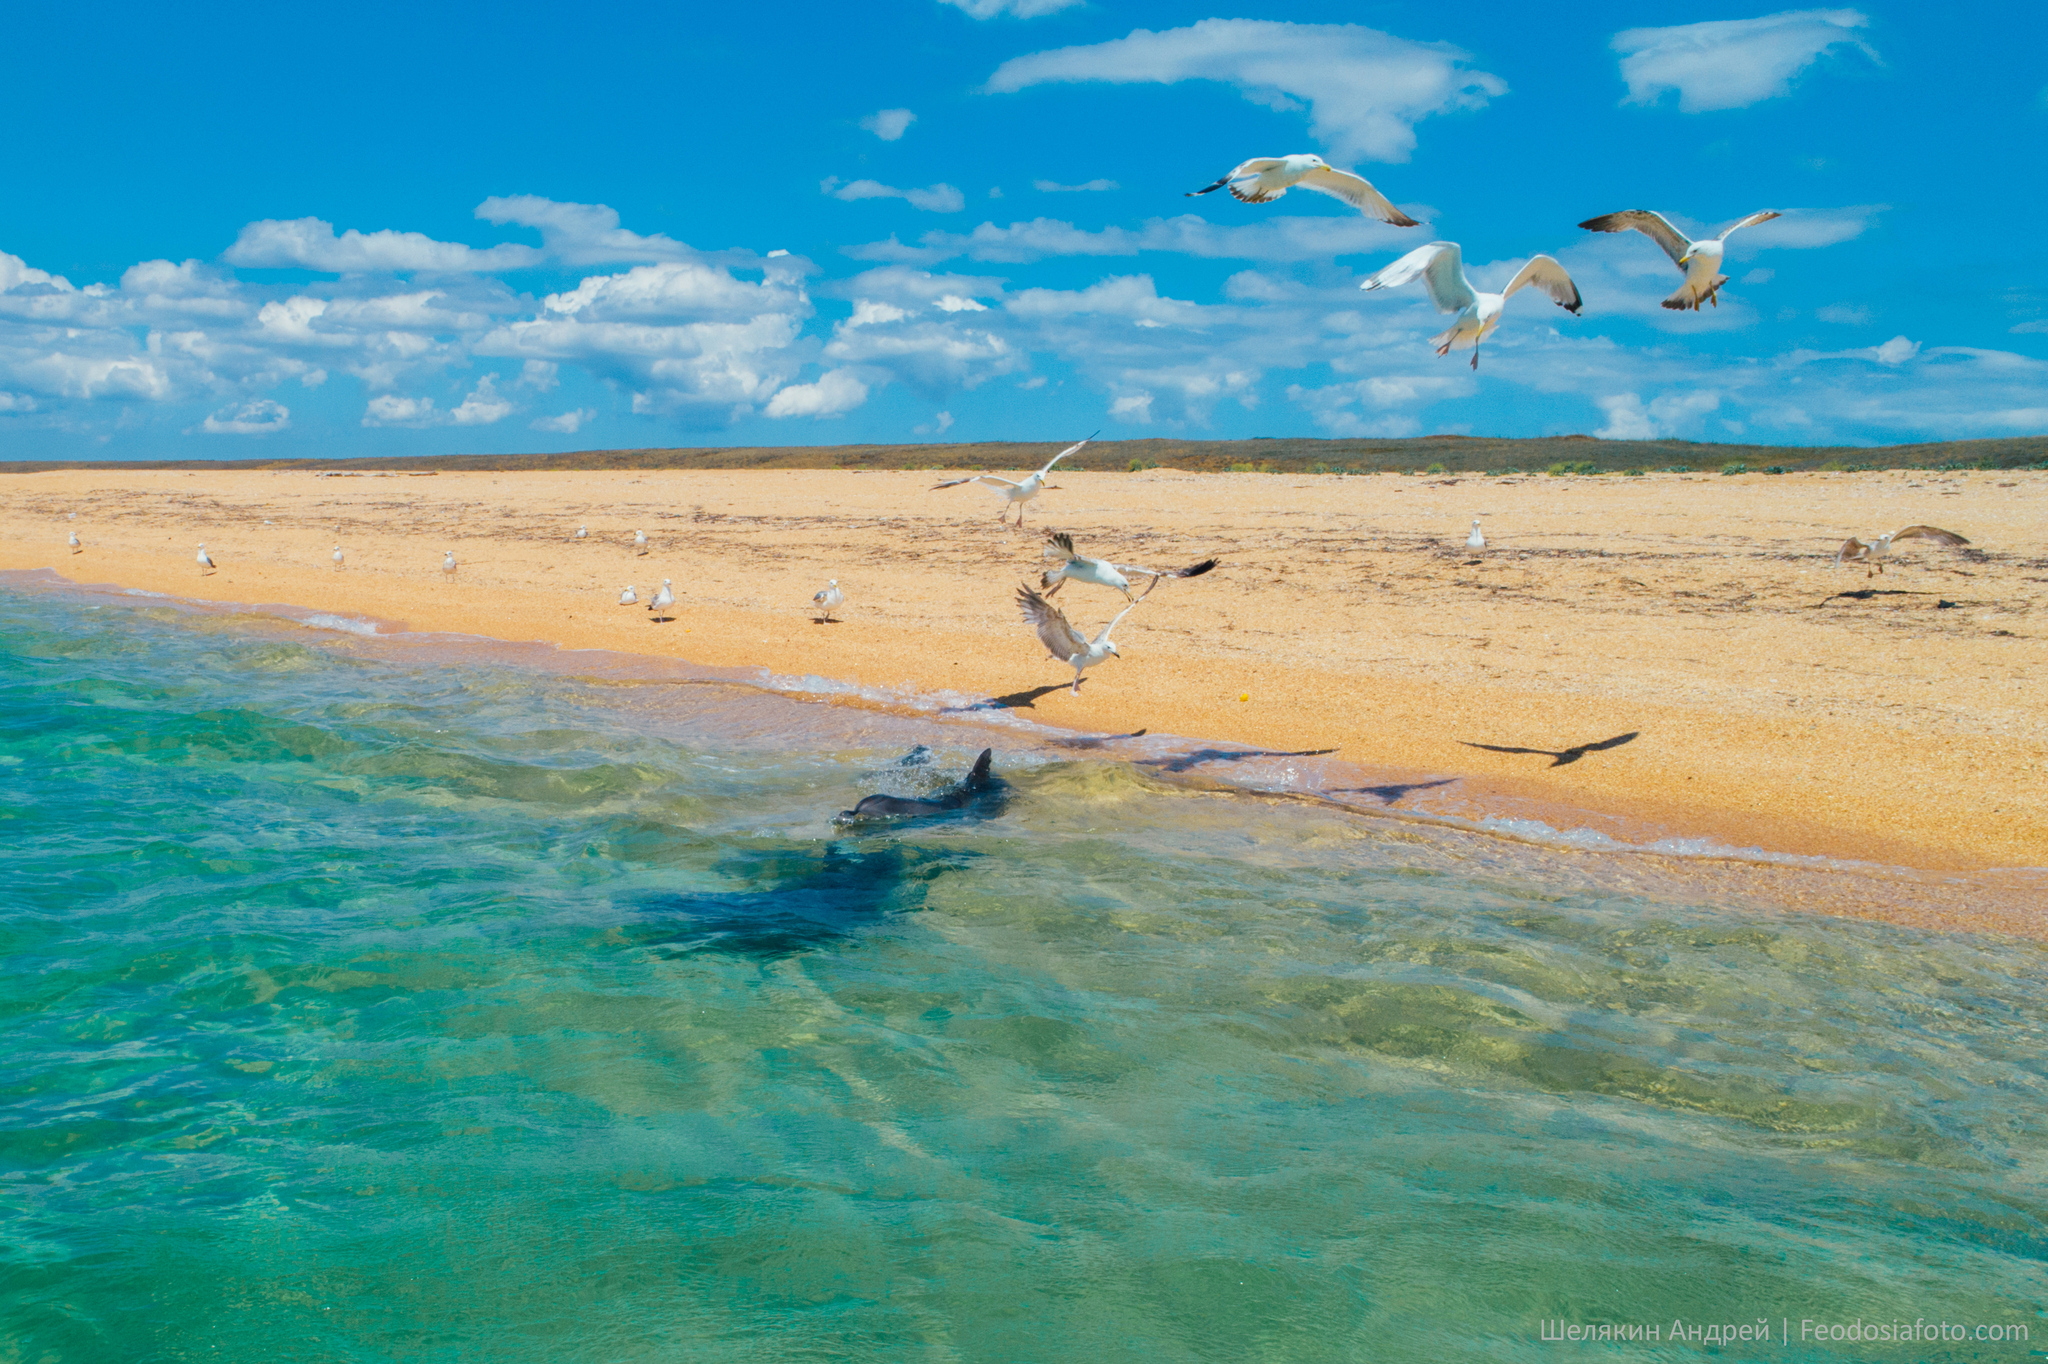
1700	613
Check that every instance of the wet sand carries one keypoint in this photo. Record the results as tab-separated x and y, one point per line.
1699	613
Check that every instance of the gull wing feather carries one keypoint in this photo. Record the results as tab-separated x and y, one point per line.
1356	191
990	479
1059	544
1751	221
1244	168
1061	640
1116	620
1062	455
1441	270
1547	275
1652	225
1852	549
1934	533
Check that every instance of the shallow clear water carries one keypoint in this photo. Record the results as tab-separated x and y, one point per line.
369	1007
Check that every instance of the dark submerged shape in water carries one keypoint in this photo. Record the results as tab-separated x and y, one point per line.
972	790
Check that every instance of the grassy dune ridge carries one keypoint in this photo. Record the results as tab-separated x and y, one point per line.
1443	453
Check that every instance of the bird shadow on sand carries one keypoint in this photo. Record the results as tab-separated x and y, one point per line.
1016	700
1867	593
816	621
1560	756
1392	791
1181	762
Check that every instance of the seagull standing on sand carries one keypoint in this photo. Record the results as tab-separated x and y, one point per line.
663	600
1076	567
1263	179
205	561
448	564
1442	271
628	597
76	548
337	556
639	542
828	598
1063	641
1871	553
1475	541
1701	260
582	533
1013	494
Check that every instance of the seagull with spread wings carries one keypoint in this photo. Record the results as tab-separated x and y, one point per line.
1077	567
1701	260
1013	494
1263	179
1063	641
1870	553
1441	269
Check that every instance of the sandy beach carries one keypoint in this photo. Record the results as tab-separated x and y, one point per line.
1904	724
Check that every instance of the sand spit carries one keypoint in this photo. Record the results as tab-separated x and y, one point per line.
1775	701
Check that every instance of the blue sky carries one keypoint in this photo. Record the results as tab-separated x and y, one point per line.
234	231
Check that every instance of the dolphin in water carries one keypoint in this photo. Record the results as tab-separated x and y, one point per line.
969	790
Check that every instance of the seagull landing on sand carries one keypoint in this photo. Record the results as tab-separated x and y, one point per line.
828	599
628	597
663	600
1079	568
72	540
1475	541
1013	494
1442	271
1871	553
1263	179
205	561
639	542
337	556
1701	260
1063	641
448	564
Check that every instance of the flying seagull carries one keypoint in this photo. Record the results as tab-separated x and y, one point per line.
828	599
205	561
1013	494
1079	568
76	547
1442	271
337	556
1475	541
1263	179
448	564
1871	553
628	597
640	542
1062	640
582	533
1701	260
663	600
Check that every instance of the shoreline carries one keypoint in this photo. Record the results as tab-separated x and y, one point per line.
1937	793
1546	840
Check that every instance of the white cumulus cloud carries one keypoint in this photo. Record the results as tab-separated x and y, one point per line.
258	418
1365	90
1019	9
889	124
836	391
388	409
1086	187
1732	63
311	244
566	423
939	198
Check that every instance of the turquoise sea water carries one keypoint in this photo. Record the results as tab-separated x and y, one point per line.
401	1006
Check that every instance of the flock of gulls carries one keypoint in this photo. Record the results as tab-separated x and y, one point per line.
1441	268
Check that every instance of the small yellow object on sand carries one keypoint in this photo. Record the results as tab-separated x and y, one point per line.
1246	697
